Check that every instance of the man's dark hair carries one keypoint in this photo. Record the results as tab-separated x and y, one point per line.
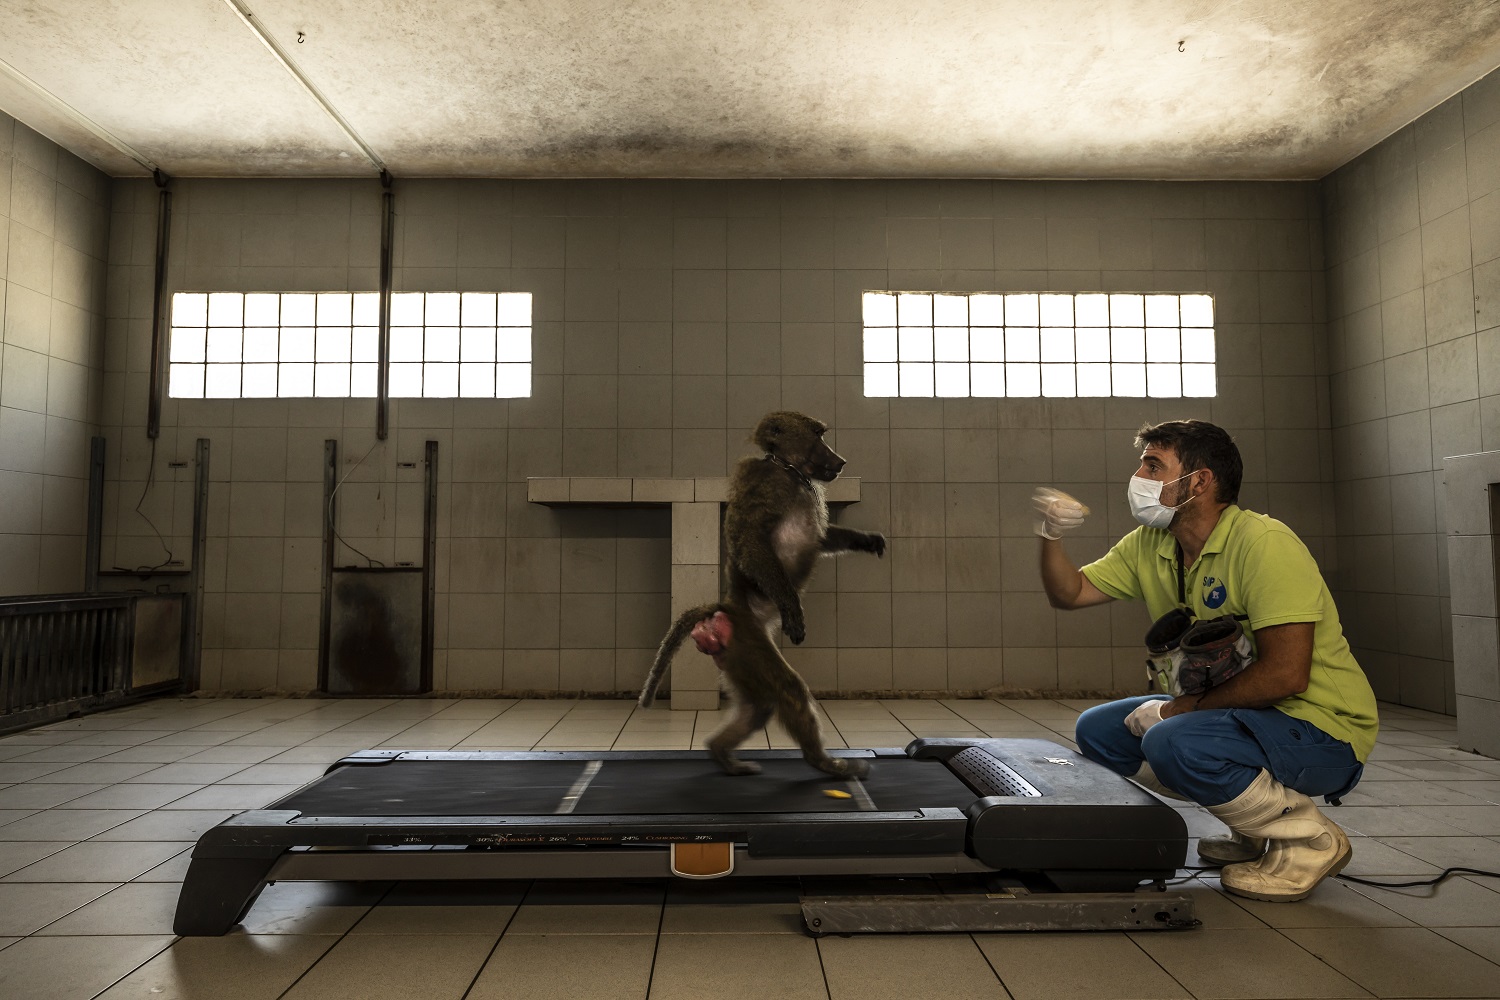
1199	444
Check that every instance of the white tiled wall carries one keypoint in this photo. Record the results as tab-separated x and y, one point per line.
669	316
1414	302
54	221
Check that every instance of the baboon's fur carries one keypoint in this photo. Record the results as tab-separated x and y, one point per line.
775	528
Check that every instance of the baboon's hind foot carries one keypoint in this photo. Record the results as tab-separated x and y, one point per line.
732	764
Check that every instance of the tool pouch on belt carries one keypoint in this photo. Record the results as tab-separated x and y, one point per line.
1212	652
1163	652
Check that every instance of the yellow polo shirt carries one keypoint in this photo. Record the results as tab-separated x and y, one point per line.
1253	565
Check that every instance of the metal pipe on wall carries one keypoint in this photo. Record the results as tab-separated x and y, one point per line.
429	564
192	659
93	542
387	250
325	611
158	304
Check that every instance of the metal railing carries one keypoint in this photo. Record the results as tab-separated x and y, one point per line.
64	654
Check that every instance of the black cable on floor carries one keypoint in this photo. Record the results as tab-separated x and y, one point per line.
1447	873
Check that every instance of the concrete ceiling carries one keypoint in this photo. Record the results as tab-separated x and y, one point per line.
735	88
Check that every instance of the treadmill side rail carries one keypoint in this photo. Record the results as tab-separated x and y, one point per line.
978	912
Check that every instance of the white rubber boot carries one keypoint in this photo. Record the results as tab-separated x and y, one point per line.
1231	849
1305	847
1148	780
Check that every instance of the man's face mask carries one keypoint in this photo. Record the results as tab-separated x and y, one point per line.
1145	501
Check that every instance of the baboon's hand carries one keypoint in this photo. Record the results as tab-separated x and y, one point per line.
792	625
873	541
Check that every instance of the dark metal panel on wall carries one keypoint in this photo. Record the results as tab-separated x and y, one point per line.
378	622
377	628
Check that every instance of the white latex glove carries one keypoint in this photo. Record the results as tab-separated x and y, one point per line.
1058	511
1145	716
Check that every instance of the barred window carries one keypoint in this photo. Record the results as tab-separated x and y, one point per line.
239	345
1029	344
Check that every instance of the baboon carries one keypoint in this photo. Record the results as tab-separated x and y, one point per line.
775	528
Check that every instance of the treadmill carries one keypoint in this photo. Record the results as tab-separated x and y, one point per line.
1022	813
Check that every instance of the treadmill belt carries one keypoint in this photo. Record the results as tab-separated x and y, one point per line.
693	786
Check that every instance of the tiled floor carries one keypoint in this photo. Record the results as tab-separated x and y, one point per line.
97	816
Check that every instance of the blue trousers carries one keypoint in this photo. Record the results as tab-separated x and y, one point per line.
1212	755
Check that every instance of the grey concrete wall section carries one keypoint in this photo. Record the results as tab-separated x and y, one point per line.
668	316
1413	243
54	236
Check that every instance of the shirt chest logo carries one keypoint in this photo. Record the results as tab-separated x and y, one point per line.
1214	592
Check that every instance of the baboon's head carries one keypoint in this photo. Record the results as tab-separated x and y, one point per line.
798	441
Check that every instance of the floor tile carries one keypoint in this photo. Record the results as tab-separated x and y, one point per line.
129	797
1444	852
1387	821
1245	964
1375	859
907	967
25	908
554	966
17	854
396	967
1332	904
444	908
98	861
95	773
1482	820
140	907
700	967
168	824
10	772
1456	902
42	795
235	967
172	870
67	824
586	918
66	753
1402	961
276	774
1482	941
1076	967
150	753
68	968
188	774
311	907
236	797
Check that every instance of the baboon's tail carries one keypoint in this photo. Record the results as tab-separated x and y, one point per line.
679	631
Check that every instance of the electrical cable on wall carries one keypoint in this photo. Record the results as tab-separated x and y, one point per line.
333	526
150	479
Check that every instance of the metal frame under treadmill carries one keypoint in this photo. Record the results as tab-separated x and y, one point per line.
1038	809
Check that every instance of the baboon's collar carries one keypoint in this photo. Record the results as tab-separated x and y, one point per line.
801	476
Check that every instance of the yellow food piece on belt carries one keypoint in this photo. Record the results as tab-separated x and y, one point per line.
834	793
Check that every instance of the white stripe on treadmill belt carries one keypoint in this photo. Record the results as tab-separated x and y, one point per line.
862	796
576	792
